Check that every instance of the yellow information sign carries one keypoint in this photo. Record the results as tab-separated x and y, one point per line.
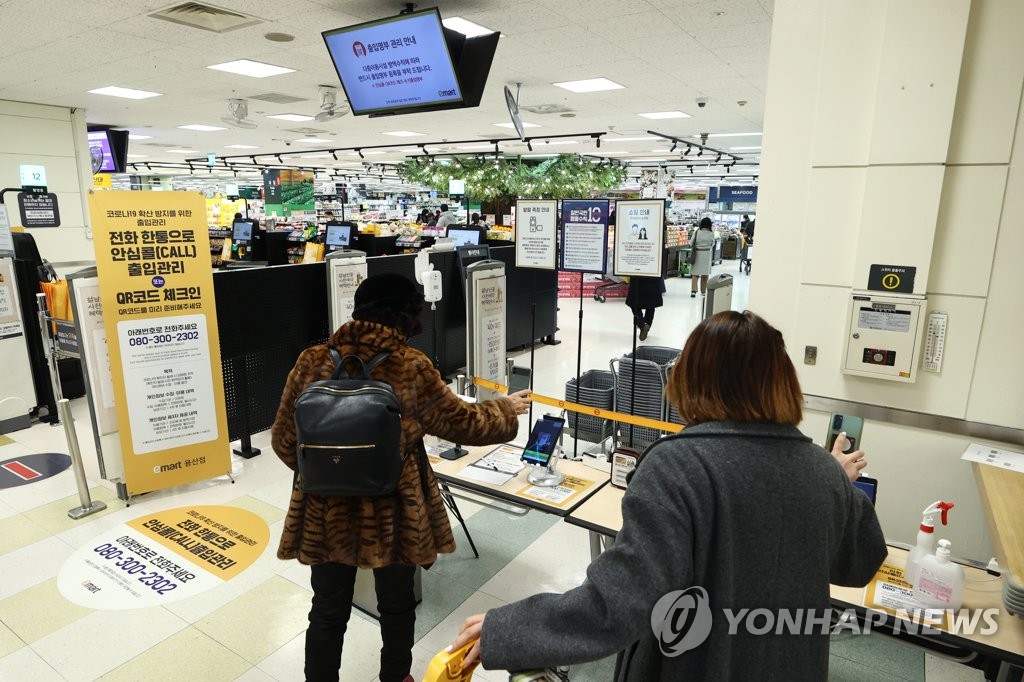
102	181
559	495
889	592
156	286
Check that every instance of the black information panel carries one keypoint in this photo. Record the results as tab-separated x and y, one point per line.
39	210
896	279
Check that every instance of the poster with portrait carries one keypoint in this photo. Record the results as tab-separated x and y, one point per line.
639	238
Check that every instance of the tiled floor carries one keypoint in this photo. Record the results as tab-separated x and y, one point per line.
251	628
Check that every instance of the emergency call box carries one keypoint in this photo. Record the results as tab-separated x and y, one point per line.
884	336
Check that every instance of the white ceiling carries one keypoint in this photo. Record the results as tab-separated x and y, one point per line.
665	52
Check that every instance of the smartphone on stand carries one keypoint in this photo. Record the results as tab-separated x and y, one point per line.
853	426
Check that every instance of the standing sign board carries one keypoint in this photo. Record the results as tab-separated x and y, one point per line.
639	238
10	315
6	240
536	233
346	270
486	324
584	235
156	290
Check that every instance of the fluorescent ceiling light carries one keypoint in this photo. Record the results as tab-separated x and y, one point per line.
404	133
465	27
370	153
740	149
730	135
665	114
589	85
247	67
291	117
241	146
312	140
127	93
323	155
629	139
182	151
475	146
134	136
409	150
202	128
509	125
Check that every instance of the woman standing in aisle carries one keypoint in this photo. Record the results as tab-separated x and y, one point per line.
703	243
391	534
643	297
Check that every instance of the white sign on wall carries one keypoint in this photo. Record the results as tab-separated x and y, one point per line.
639	238
536	234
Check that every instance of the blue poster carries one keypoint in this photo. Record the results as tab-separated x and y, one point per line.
584	236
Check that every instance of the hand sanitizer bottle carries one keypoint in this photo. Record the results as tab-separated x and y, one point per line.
940	582
925	538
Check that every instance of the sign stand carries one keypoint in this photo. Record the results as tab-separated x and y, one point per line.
88	505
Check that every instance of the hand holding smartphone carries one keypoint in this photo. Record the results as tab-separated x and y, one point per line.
838	423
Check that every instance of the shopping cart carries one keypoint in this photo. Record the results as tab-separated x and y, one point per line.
614	285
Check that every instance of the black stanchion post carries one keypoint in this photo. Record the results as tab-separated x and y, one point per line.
245	448
632	385
579	369
533	345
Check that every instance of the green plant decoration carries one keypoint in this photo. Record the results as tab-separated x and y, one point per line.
564	176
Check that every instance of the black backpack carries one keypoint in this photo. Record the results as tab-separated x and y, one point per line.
349	433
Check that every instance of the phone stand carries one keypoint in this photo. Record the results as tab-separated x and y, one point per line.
454	452
545	476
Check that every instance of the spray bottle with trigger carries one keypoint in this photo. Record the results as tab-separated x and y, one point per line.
925	539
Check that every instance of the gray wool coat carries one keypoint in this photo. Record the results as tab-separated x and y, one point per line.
754	513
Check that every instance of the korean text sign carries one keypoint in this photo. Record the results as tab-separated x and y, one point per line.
536	232
585	235
639	238
156	291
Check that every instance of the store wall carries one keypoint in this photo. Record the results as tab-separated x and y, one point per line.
894	134
52	137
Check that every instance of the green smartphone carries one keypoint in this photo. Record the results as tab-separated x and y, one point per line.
853	426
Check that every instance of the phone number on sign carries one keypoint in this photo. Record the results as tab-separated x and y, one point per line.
162	338
155	581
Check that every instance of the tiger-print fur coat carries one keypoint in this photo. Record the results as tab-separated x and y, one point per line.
406	527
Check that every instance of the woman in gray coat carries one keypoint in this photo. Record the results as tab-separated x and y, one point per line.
703	244
739	513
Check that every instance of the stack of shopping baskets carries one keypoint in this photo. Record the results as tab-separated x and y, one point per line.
596	387
646	396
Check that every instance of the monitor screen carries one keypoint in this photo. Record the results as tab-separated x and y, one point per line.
241	231
338	235
464	237
102	157
543	439
868	486
395	63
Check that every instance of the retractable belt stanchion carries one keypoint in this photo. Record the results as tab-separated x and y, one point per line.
88	505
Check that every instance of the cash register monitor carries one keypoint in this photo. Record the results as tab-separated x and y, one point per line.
464	237
241	231
543	439
338	235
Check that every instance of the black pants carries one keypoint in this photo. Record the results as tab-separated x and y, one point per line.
333	586
640	317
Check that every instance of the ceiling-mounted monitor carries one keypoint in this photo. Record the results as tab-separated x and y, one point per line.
108	150
409	63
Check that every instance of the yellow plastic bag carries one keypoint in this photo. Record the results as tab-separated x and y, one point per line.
57	300
447	666
314	253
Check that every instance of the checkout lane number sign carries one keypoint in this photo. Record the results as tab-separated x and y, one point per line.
163	557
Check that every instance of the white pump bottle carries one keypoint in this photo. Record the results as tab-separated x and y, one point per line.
925	539
940	582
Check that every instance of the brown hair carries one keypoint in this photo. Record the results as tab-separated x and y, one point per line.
735	367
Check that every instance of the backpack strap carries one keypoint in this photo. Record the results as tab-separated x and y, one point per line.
366	367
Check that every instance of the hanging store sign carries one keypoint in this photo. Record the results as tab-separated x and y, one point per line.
156	290
32	176
584	235
39	210
536	234
639	238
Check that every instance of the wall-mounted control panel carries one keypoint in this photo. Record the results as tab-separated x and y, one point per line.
884	336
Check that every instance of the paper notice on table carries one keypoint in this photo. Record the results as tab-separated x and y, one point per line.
889	592
558	495
507	459
997	457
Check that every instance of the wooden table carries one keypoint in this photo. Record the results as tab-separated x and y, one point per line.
1002	496
601	514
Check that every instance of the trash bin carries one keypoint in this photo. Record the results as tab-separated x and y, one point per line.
719	296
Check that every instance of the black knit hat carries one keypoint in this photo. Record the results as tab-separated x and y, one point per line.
388	290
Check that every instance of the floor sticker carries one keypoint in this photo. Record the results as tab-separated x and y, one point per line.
27	469
163	557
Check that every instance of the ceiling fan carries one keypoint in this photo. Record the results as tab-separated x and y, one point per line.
329	107
239	109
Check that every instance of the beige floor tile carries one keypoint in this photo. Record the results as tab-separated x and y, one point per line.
4	440
210	661
268	512
9	642
54	516
39	611
19	531
26	664
260	621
